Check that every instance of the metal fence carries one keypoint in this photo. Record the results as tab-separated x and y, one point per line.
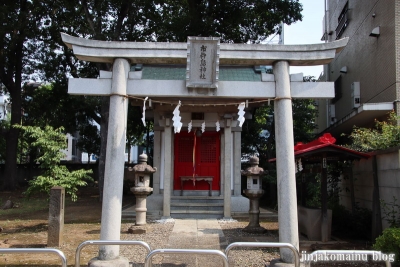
59	253
107	242
308	259
218	253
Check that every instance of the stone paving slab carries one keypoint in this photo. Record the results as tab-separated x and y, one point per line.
195	234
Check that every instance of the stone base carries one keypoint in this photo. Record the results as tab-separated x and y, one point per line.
255	229
137	229
118	262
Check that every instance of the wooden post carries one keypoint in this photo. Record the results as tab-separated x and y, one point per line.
324	200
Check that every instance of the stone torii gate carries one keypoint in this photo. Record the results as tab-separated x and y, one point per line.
121	83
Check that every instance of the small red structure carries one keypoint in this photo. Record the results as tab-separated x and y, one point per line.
325	143
321	151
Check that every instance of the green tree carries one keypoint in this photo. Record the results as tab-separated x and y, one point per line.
144	20
51	105
4	128
258	135
20	37
49	142
89	138
135	130
384	135
234	21
28	52
33	32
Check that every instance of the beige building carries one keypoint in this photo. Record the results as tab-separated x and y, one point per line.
367	72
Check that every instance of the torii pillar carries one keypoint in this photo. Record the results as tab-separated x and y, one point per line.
114	168
285	168
279	87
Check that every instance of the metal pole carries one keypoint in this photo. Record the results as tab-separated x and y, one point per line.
36	250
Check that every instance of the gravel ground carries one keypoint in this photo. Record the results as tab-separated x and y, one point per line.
158	232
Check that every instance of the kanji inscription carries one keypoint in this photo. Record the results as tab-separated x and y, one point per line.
202	62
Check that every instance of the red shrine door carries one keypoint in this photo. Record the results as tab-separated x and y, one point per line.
206	158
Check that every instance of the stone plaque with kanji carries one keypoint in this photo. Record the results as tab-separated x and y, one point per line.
202	62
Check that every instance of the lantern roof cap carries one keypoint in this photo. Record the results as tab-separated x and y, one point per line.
142	166
254	169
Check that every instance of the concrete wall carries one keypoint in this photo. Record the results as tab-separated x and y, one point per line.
388	166
372	61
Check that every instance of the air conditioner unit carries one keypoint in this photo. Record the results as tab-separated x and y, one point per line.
355	94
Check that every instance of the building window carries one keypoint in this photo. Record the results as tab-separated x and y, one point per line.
338	90
343	21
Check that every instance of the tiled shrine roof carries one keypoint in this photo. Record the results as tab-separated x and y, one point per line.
178	72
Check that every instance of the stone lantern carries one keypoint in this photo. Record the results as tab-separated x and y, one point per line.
142	187
254	192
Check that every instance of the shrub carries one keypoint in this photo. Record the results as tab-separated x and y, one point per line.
353	225
386	134
49	143
389	242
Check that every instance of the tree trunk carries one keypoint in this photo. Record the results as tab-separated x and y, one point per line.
10	172
105	106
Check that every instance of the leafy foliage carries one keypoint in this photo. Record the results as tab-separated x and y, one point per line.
234	21
386	134
357	224
258	135
19	41
50	142
32	49
89	138
312	196
4	126
389	242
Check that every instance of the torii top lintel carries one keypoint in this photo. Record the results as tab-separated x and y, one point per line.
176	53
